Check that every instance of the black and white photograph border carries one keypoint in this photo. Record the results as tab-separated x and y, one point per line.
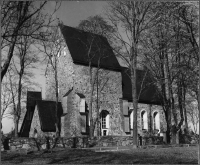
100	82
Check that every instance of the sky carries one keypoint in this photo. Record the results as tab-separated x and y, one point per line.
70	13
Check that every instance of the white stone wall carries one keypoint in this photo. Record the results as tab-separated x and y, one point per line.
35	124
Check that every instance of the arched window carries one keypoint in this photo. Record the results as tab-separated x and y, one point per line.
144	123
156	121
104	122
131	119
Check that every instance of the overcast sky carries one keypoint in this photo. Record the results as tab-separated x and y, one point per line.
70	13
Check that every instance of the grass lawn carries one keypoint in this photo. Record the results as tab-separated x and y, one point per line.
181	155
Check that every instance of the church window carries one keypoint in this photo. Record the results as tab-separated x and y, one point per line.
103	119
104	122
156	121
144	123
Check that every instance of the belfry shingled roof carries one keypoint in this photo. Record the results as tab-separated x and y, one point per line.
79	43
147	92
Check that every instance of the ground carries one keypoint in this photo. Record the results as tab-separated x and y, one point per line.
179	155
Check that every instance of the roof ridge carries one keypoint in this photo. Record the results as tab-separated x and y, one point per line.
35	91
75	28
49	101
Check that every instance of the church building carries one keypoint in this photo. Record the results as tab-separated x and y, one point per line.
112	96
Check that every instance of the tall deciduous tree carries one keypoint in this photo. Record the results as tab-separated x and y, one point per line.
52	48
130	19
17	15
24	61
171	59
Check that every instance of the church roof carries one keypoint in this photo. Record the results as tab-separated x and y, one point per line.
80	42
32	96
147	92
46	111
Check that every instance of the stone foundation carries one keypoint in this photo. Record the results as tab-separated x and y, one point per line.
77	142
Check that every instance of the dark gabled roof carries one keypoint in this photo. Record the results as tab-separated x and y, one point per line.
80	95
146	88
32	96
78	43
46	111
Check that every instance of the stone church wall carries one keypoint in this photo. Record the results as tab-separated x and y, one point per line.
76	78
35	124
151	109
109	92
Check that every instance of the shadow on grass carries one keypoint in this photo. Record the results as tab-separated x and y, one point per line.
128	157
134	156
13	158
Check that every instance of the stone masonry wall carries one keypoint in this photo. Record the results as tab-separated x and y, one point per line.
150	109
70	126
65	76
163	124
35	124
33	144
109	92
77	77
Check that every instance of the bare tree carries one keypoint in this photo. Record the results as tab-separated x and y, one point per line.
6	100
52	48
13	91
17	15
131	18
171	60
24	61
96	25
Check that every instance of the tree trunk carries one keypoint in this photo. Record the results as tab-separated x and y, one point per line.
134	94
92	81
18	112
168	118
184	107
14	107
173	137
10	54
98	125
56	108
16	122
174	134
168	134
